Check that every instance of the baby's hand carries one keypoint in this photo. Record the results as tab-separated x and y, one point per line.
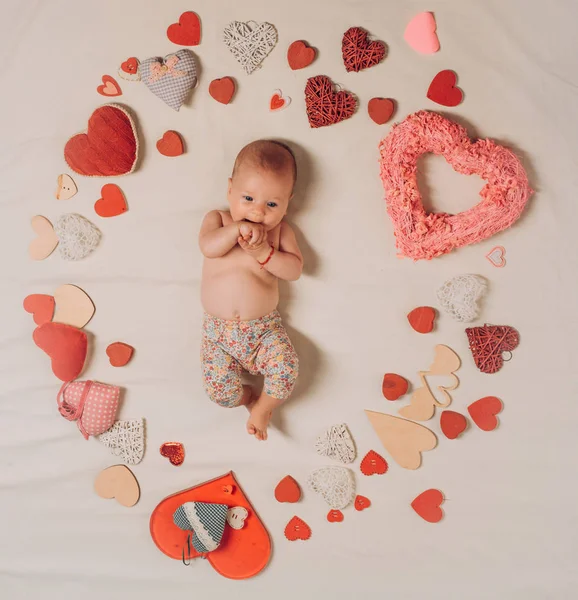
252	233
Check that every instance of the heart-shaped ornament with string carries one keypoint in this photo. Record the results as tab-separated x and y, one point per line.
250	42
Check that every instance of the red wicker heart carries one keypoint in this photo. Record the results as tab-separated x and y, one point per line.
108	148
359	53
487	344
324	105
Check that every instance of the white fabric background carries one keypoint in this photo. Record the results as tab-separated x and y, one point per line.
511	518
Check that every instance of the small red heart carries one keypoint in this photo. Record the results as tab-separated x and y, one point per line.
276	102
174	451
119	354
109	87
130	65
187	32
288	490
380	109
300	55
222	90
67	347
393	386
422	319
361	502
443	89
229	489
335	516
484	411
41	306
297	529
427	505
171	144
373	464
452	424
112	201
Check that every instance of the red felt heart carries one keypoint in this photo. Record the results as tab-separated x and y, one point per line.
119	354
394	386
427	505
288	490
358	52
373	464
324	106
484	411
130	65
489	342
361	503
171	144
300	55
222	90
111	203
422	319
452	424
443	89
297	529
67	347
174	451
109	87
108	148
380	109
187	32
335	516
41	306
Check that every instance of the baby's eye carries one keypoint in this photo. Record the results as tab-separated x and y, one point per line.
271	204
248	198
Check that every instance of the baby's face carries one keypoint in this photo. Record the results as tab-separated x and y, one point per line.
259	196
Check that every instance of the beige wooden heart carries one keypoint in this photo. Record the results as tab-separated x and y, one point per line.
73	306
45	242
118	482
403	439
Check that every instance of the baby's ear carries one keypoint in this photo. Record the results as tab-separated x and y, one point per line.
230	185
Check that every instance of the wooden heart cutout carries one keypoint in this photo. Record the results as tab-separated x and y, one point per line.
443	89
43	245
484	411
187	32
171	144
422	319
66	187
66	346
297	529
222	90
118	482
288	490
427	505
404	440
380	110
119	354
453	424
41	306
373	464
111	202
394	386
73	306
300	55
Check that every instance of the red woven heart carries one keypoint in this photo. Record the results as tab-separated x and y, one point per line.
325	106
487	344
359	53
109	147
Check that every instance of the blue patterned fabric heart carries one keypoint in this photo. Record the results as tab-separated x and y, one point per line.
206	520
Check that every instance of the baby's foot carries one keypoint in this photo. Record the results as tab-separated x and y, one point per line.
258	421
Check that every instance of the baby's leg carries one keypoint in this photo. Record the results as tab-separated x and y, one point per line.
222	376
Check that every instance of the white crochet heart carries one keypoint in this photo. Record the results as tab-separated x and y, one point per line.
78	237
250	42
335	484
336	443
125	439
460	296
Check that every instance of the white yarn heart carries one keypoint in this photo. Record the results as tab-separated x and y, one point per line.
336	443
250	42
335	484
459	296
125	439
78	236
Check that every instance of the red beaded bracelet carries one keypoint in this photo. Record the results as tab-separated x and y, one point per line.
268	258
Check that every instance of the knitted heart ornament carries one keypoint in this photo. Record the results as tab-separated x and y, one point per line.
335	484
324	105
359	53
423	235
250	42
108	148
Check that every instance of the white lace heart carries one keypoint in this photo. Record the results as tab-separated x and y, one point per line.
335	484
125	439
336	443
78	236
250	42
460	296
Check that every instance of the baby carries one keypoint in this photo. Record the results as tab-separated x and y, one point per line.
247	250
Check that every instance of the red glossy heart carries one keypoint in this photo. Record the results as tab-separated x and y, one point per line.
484	411
380	109
41	306
427	505
422	319
112	201
187	32
361	503
394	386
300	55
443	89
67	347
222	90
335	516
452	424
171	144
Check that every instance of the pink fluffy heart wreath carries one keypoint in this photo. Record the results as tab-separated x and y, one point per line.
422	235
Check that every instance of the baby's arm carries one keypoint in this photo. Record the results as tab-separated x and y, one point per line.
287	262
216	239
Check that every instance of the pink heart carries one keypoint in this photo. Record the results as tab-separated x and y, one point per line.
421	34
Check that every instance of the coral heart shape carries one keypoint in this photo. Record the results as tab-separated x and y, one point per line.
41	306
443	90
335	516
373	464
380	110
125	439
427	505
394	386
250	42
300	55
222	90
358	52
288	490
170	78
67	347
119	354
46	240
452	424
336	443
171	144
187	32
461	295
335	484
297	529
111	202
118	482
484	411
361	503
325	106
109	87
174	451
488	343
497	256
278	101
421	35
422	319
108	148
425	235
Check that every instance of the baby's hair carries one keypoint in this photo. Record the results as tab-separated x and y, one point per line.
271	155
